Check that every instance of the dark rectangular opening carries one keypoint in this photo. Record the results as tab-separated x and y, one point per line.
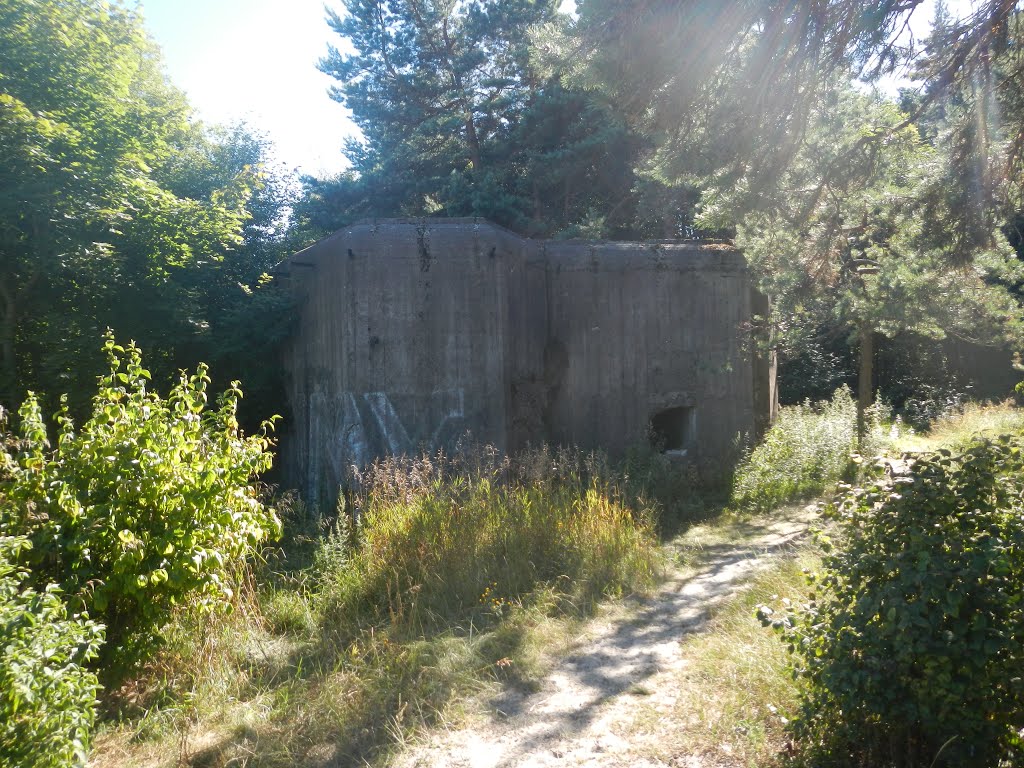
673	429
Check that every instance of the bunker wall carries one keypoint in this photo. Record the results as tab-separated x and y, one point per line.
413	333
655	345
401	345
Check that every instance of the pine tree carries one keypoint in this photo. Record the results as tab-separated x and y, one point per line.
458	120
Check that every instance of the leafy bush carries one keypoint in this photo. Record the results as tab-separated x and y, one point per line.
151	502
911	649
47	696
807	449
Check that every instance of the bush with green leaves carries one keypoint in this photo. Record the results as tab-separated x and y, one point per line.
149	503
47	695
910	651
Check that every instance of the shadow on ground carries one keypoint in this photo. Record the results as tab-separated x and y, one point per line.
553	726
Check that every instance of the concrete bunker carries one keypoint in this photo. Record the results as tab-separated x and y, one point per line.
414	332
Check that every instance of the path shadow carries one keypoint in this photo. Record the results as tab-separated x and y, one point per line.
600	669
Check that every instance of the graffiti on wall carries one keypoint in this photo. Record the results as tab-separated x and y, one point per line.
347	429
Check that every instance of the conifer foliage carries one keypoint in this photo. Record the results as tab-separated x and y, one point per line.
458	119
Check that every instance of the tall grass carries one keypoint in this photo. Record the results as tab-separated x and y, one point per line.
435	542
440	576
957	427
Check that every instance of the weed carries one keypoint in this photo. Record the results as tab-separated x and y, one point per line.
435	534
807	448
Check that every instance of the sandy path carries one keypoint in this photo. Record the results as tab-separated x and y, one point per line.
580	714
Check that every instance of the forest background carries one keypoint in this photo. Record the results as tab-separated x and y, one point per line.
864	218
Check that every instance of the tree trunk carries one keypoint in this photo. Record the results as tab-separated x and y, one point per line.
536	204
473	140
8	327
865	390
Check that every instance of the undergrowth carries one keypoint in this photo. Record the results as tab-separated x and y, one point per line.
907	652
813	446
736	696
808	450
957	427
439	577
437	542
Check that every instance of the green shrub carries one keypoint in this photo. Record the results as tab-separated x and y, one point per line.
910	650
151	502
806	450
47	696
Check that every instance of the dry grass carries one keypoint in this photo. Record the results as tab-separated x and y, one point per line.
734	690
957	428
454	578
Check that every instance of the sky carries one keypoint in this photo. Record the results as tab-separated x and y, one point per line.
255	61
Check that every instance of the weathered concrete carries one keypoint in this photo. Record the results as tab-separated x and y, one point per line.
415	332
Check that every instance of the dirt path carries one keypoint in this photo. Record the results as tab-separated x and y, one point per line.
577	718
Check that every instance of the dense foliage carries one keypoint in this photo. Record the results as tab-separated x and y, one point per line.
725	92
117	209
149	503
457	119
806	450
909	651
47	695
844	242
441	576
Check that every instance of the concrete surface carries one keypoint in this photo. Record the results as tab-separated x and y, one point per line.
414	333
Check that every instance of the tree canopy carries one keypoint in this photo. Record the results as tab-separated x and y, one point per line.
457	120
117	208
730	87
